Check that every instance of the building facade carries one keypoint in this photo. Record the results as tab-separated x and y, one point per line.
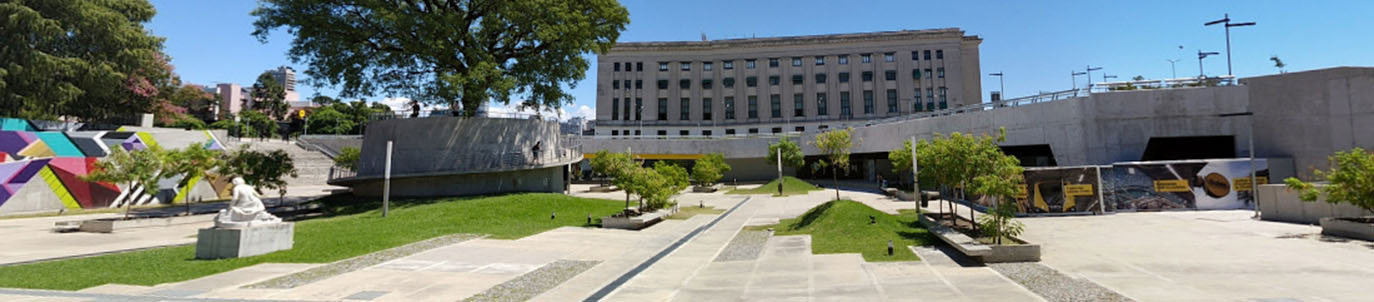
287	78
783	84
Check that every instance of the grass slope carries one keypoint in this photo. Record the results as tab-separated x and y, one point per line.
356	229
843	227
791	186
687	212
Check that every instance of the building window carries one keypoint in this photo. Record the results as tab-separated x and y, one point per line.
822	107
615	132
615	109
798	105
753	106
615	84
728	65
683	132
943	92
820	78
617	66
777	129
928	73
749	64
915	55
820	60
729	109
728	82
706	109
627	84
773	80
796	61
868	102
797	79
662	66
844	59
706	84
639	66
705	132
706	66
940	54
799	129
868	76
684	84
627	132
751	81
775	106
662	132
844	77
930	96
889	57
639	110
627	110
890	75
662	84
686	66
916	103
866	58
926	54
639	84
684	109
940	72
822	127
844	105
891	101
772	62
729	131
662	109
753	130
916	74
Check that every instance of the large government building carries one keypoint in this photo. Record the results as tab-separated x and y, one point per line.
782	84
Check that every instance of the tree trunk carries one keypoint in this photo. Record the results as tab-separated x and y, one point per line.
836	177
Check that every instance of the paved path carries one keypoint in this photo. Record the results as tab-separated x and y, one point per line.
29	239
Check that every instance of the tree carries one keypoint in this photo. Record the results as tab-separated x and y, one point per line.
324	101
91	60
348	158
195	99
262	170
132	168
465	51
191	162
615	166
1278	63
1351	180
834	146
968	163
261	125
1000	179
235	128
357	111
187	122
326	120
665	180
269	96
709	169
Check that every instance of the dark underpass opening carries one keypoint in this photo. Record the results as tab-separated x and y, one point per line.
1190	147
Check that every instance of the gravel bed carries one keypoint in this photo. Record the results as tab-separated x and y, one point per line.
360	262
747	245
535	282
1054	286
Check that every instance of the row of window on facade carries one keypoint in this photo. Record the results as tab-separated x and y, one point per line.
775	62
752	81
775	130
775	104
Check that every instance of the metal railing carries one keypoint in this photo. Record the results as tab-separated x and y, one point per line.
477	162
446	112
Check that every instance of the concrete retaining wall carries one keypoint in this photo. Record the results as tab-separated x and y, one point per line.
534	180
451	144
1277	203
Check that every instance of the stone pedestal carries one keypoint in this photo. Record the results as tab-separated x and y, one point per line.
217	243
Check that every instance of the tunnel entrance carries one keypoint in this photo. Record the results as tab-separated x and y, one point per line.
1032	155
1190	147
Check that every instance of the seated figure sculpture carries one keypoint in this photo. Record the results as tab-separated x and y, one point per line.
245	210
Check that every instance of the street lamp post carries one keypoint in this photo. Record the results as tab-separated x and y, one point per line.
1106	76
1226	19
1074	76
1001	84
1090	76
1202	55
1172	69
1254	181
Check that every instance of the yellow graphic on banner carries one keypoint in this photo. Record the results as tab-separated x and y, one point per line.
1078	190
1172	185
1243	183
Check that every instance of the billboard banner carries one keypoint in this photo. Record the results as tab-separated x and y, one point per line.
1190	184
1059	190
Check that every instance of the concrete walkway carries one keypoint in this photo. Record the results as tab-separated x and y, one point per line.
30	239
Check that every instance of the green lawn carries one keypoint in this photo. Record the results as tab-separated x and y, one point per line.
687	212
355	228
843	227
791	186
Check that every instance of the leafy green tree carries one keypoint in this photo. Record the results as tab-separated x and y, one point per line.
324	101
262	126
665	180
1351	180
834	146
326	120
971	164
261	169
269	96
348	158
190	162
91	60
234	128
709	169
187	122
132	168
791	155
465	51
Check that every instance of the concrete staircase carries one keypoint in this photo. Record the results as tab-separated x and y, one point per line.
312	167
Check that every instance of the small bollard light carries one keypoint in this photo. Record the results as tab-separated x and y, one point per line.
589	218
701	203
553	215
889	247
872	220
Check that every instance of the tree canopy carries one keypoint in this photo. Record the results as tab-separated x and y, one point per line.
92	60
791	153
326	120
834	146
709	169
269	96
469	51
1351	180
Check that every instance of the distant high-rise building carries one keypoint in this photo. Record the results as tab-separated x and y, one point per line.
287	78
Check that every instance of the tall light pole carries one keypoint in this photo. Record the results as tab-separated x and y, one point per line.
1090	76
1173	70
1001	84
1202	55
1226	19
1106	76
1074	75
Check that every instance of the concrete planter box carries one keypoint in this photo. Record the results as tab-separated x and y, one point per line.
113	224
638	222
900	195
215	243
706	189
985	253
604	189
1356	228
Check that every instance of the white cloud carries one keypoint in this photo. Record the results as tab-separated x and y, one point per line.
585	112
496	109
397	104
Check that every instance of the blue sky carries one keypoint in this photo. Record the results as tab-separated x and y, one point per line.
1036	43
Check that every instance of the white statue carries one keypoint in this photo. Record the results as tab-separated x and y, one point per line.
245	210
